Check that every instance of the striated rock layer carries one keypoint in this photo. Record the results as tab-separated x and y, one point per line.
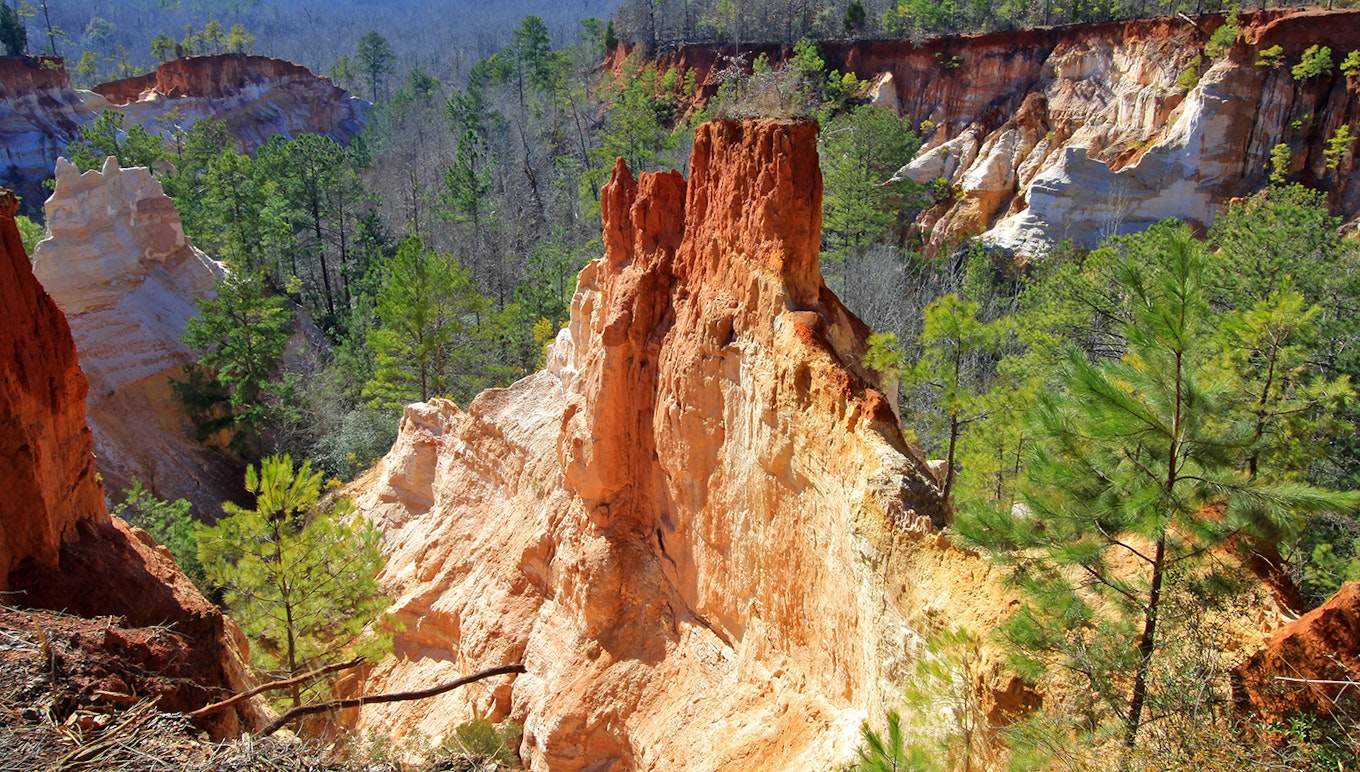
1087	131
40	114
59	548
118	264
257	97
50	484
1094	131
700	526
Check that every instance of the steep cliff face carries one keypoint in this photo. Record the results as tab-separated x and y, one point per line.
118	264
1320	651
700	526
45	449
257	97
40	114
1088	131
59	548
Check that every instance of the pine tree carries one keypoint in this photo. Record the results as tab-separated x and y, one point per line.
375	59
240	334
302	582
1139	472
427	303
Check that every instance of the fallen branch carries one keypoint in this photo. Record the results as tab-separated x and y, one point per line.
1182	15
355	702
1321	681
274	686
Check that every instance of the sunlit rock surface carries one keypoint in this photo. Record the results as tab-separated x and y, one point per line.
255	96
700	527
118	264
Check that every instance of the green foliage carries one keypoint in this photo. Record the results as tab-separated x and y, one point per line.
13	34
551	281
1272	57
29	232
640	108
855	17
860	151
877	753
301	581
437	330
884	354
169	523
110	136
240	335
1350	66
1282	233
163	47
1221	41
420	84
212	39
322	200
531	50
239	40
1315	62
1139	469
1189	77
954	364
228	201
343	72
482	742
1338	147
374	58
468	179
1266	360
942	701
1280	157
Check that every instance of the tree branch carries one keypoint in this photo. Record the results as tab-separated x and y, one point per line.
419	694
274	686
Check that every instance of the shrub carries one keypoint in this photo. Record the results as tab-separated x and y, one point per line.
1316	61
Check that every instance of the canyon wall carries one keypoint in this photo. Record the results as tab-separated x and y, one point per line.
257	97
40	114
117	262
46	459
700	526
1088	131
59	548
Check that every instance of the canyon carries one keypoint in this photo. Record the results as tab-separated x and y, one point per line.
1084	132
700	524
255	96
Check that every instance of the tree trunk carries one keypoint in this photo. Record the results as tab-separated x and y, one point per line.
1146	644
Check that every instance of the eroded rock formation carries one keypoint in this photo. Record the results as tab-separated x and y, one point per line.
59	548
1082	132
1088	132
46	463
1319	654
118	264
700	526
256	96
